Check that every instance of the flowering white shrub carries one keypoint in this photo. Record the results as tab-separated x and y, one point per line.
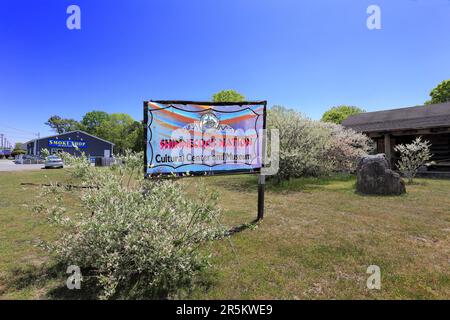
136	238
346	147
45	153
302	144
412	157
310	147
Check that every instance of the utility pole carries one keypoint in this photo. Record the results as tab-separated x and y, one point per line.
39	136
1	140
36	142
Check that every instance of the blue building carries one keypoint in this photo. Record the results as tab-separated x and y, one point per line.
73	142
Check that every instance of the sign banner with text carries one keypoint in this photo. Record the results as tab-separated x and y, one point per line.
66	143
203	137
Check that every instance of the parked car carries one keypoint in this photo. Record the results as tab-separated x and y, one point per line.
27	159
53	162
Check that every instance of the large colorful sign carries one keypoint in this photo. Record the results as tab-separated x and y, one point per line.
66	143
203	137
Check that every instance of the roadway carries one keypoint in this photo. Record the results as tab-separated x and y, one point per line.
9	165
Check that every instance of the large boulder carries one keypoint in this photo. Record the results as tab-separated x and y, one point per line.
374	176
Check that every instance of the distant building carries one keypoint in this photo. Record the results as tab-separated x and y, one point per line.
398	126
91	146
5	152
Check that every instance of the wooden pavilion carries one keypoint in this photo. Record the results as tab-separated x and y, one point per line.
398	126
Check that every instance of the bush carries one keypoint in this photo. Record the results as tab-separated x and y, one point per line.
412	157
313	148
135	238
302	144
346	147
45	153
17	152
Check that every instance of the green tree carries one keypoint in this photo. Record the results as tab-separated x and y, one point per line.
121	129
18	149
228	96
62	125
441	93
94	120
340	113
137	135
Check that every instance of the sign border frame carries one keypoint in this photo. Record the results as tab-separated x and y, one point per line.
200	173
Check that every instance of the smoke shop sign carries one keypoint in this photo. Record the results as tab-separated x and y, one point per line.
66	143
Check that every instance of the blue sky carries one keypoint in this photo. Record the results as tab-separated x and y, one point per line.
308	55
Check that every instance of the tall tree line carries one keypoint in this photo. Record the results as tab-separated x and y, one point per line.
119	128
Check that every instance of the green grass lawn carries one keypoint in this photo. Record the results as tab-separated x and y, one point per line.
316	241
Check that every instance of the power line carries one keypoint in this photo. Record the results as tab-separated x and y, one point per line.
9	139
13	128
18	136
9	133
17	133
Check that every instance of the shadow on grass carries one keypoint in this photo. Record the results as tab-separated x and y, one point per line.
240	183
245	226
386	196
53	278
417	182
309	184
249	183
